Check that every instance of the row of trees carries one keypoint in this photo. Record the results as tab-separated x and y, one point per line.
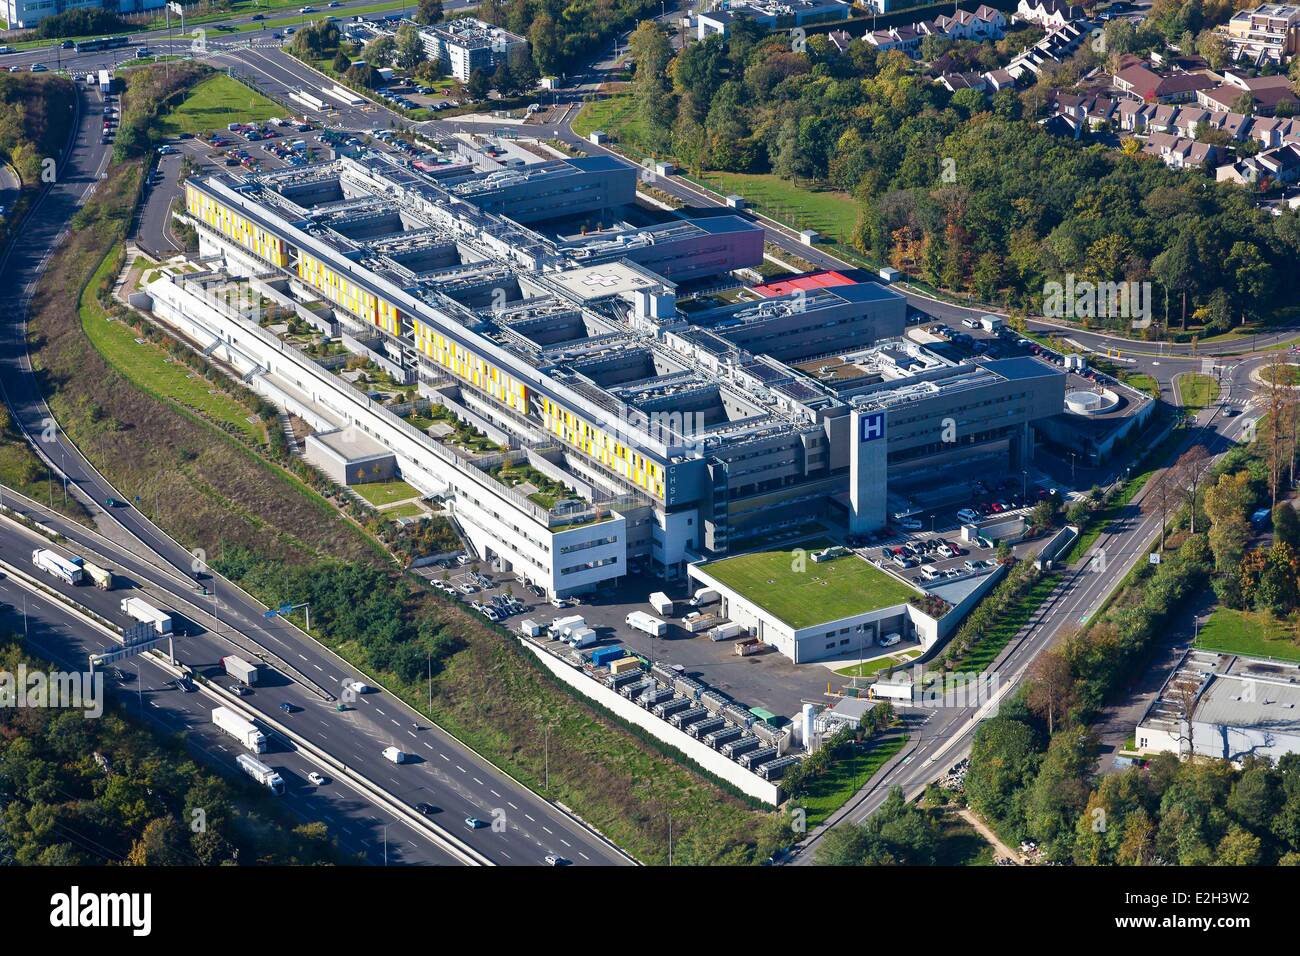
562	33
358	605
964	190
81	792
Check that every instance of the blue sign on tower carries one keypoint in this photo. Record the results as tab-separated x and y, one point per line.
872	427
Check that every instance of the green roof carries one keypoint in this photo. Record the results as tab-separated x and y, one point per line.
822	592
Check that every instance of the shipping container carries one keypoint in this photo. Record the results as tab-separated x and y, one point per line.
602	656
625	664
530	628
724	632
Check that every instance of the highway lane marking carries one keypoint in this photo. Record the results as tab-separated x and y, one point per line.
511	805
566	843
493	792
477	781
584	856
461	769
528	818
548	829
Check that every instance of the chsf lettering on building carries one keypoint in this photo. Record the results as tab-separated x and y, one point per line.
1098	300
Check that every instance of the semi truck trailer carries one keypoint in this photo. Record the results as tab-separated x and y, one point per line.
245	731
240	669
261	773
146	613
58	566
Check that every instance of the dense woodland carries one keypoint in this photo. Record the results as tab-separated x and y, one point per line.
103	791
963	190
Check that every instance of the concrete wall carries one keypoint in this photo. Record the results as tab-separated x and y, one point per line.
698	752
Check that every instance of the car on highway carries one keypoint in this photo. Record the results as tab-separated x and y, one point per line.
428	809
474	823
40	68
552	860
289	708
316	778
358	687
239	690
395	755
68	45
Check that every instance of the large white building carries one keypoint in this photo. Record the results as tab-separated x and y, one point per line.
622	433
465	45
25	14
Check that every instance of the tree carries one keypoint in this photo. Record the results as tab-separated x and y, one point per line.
341	63
428	11
409	49
544	41
380	51
1286	526
1004	758
1050	689
1226	504
478	86
651	89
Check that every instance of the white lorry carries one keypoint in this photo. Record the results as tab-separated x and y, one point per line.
662	603
240	669
639	621
146	613
245	731
395	755
704	597
261	773
581	637
58	566
562	627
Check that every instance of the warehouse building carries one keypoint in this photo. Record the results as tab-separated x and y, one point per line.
348	456
651	436
1225	706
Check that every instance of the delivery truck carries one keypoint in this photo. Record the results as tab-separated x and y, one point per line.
240	669
102	578
562	627
704	597
245	731
58	566
662	603
530	628
581	637
641	621
261	773
146	613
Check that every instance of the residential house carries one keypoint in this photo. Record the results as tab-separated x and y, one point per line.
953	82
1048	13
1281	164
1179	152
1145	84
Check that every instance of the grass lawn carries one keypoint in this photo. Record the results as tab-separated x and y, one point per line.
1249	633
1198	391
151	368
822	592
618	116
214	104
960	844
1143	383
867	668
380	493
979	657
845	777
1286	374
410	509
833	214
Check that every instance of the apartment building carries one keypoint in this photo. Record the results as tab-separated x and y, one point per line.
1268	33
465	44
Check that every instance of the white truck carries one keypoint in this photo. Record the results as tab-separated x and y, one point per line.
661	602
245	731
724	632
240	669
530	628
146	613
581	637
58	566
640	621
394	754
704	597
102	578
261	773
562	627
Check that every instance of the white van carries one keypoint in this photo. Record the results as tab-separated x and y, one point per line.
929	572
889	640
395	755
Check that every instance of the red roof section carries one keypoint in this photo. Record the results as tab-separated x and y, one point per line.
814	280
